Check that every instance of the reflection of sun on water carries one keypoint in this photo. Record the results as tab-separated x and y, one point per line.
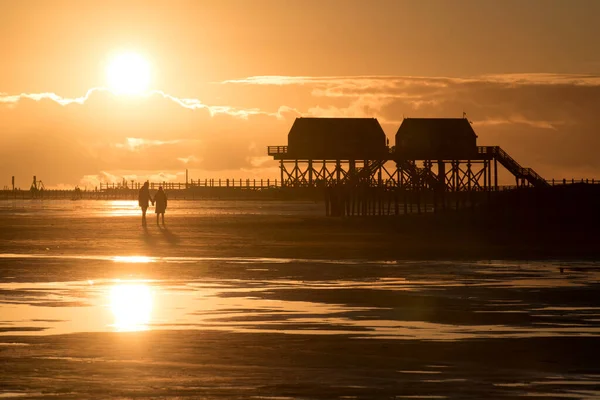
133	259
123	208
131	305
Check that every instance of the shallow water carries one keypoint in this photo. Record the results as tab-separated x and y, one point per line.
369	299
101	308
124	208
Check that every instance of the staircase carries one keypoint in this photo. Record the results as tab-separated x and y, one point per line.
422	175
365	173
516	169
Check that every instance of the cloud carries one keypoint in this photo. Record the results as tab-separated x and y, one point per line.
100	135
517	119
188	103
190	160
259	161
546	121
377	81
542	119
135	144
11	99
543	79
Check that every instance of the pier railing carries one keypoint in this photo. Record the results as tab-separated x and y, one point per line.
208	188
250	184
277	150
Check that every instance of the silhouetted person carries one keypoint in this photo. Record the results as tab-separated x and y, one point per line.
143	200
161	204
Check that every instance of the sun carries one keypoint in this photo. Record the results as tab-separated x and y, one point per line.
129	74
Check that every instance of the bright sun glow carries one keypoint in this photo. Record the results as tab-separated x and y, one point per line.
131	305
121	208
133	259
128	74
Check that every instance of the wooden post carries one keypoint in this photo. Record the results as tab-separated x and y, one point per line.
495	174
374	203
485	175
387	199
489	172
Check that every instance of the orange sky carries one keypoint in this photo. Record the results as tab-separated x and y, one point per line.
338	58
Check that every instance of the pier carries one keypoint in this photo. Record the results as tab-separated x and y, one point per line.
435	166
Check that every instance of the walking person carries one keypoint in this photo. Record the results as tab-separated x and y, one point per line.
161	204
143	199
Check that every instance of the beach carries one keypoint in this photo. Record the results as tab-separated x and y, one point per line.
274	300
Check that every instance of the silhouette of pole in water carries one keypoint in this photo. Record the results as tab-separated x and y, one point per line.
37	187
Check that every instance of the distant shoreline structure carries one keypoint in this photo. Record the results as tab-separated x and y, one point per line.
234	184
209	188
339	200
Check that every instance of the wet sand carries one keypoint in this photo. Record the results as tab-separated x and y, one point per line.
283	229
282	303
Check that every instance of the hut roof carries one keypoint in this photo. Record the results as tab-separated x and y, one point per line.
436	126
338	128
